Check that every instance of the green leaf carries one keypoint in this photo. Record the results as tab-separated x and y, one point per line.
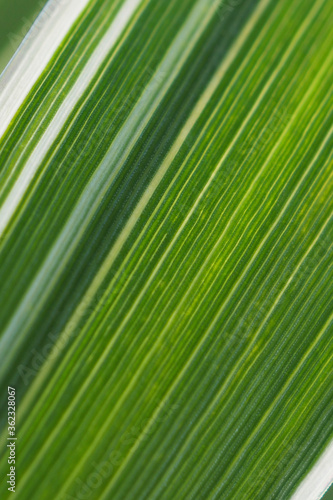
166	250
16	19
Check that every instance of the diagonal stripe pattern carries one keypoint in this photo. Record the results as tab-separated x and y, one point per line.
166	251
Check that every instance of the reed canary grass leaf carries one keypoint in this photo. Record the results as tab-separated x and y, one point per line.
166	251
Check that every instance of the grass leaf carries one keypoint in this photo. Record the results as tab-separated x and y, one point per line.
166	250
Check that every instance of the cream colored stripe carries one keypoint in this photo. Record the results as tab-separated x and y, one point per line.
251	188
148	356
33	55
77	314
277	398
319	479
268	456
112	35
78	311
83	212
157	179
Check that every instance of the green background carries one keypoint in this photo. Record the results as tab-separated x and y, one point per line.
329	494
16	17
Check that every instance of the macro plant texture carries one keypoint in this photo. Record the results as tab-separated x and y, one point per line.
166	278
16	19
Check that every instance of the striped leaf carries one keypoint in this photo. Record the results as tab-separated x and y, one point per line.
166	251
